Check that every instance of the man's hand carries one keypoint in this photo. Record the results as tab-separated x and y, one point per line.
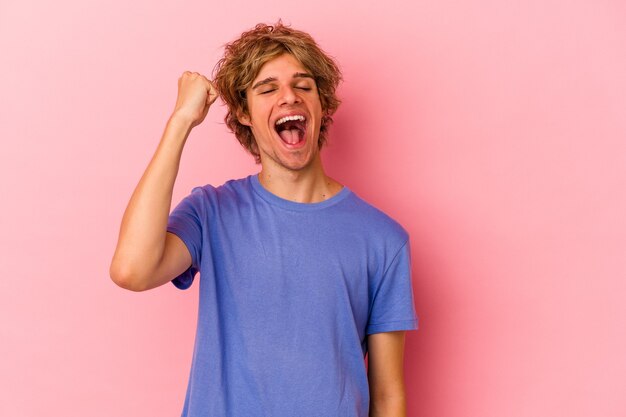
195	95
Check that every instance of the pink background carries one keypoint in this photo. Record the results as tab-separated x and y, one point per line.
495	132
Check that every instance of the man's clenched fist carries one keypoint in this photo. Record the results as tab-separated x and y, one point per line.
195	95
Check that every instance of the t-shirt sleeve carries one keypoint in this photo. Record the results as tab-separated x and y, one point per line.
185	221
393	306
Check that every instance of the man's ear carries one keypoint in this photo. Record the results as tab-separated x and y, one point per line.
243	118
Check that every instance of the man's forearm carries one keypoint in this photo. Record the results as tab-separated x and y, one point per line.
387	407
143	229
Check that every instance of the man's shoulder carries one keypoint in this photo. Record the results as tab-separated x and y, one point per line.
212	198
376	219
224	189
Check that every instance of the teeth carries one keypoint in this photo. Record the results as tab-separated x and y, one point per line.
284	119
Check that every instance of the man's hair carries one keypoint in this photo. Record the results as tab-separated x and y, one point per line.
243	59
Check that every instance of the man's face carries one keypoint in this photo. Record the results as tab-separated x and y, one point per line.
284	90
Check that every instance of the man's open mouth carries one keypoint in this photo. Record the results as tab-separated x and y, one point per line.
291	129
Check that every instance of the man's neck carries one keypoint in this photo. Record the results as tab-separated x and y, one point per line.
308	185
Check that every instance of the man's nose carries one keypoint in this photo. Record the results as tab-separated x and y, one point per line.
288	96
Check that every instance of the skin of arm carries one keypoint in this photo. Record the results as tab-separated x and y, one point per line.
385	374
146	255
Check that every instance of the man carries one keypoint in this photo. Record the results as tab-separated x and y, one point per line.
300	278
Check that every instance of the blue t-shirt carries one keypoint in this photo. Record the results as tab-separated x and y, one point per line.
288	294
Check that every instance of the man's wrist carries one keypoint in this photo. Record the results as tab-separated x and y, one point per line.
181	120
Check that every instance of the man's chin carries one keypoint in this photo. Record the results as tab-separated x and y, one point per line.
300	163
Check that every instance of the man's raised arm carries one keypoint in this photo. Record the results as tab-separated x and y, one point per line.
146	255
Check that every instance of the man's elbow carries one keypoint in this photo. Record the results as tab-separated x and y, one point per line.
126	278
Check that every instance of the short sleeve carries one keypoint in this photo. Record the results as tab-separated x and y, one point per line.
393	306
185	221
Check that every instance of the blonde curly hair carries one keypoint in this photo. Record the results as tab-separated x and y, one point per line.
243	58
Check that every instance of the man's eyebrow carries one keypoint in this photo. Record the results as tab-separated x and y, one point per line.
272	79
263	82
303	75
